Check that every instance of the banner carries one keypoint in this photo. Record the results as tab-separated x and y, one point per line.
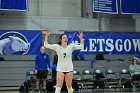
130	6
20	42
14	5
105	6
107	42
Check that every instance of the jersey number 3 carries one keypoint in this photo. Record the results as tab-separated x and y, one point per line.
64	55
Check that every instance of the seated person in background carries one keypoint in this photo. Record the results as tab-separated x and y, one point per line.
135	71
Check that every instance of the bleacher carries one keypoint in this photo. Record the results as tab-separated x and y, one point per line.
13	69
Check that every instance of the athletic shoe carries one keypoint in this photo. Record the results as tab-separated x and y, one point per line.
37	91
44	91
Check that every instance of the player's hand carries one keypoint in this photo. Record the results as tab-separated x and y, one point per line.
80	35
47	33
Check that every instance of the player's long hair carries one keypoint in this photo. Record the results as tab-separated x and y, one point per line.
60	38
134	60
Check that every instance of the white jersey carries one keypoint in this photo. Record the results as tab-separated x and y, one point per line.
64	55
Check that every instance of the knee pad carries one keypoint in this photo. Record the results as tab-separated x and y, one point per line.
57	90
70	90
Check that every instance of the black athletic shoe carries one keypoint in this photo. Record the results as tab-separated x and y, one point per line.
44	91
37	91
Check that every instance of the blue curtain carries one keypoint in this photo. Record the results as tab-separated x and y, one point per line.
14	4
130	6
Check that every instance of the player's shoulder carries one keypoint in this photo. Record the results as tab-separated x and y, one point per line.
71	44
57	45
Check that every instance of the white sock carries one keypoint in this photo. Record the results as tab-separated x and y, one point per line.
57	90
70	90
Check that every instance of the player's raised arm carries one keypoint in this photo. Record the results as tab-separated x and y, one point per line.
50	46
47	35
81	46
81	37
